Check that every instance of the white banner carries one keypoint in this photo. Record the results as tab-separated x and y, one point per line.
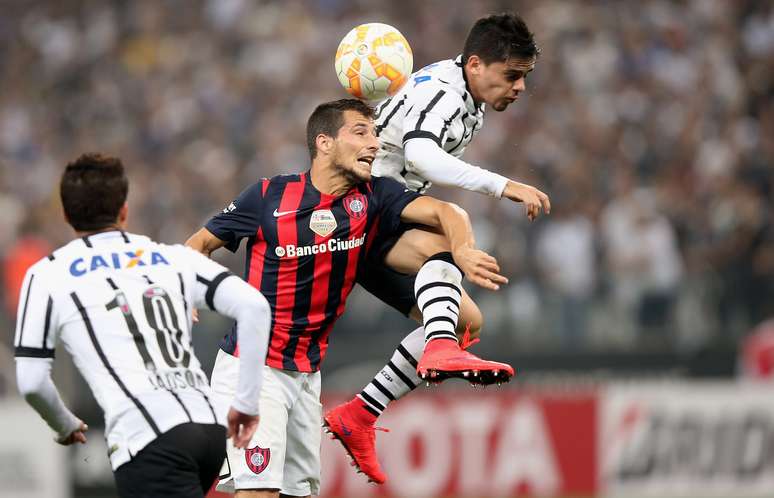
687	439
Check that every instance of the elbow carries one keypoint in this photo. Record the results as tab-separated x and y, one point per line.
195	243
262	307
454	210
411	152
32	398
254	309
199	242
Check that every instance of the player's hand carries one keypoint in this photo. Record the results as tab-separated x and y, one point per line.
480	268
241	427
195	315
77	436
532	198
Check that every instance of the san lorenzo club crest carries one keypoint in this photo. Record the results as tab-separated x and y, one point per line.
257	458
356	205
322	222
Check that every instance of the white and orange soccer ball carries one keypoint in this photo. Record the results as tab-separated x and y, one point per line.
373	61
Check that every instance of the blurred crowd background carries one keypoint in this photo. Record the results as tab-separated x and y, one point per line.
650	124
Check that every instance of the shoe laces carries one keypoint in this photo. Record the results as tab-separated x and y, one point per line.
466	340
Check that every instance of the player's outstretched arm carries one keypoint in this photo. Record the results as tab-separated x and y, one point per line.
204	242
453	222
34	382
424	157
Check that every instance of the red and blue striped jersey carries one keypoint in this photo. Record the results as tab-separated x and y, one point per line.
304	249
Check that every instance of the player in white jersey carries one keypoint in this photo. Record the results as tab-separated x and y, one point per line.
121	304
423	131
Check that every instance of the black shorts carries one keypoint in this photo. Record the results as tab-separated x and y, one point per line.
181	463
391	287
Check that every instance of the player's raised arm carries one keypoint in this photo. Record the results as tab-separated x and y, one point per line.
433	108
451	220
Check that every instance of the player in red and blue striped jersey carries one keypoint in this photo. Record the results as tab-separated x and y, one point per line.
303	252
308	236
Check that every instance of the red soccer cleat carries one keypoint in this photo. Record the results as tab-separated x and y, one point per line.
353	426
444	359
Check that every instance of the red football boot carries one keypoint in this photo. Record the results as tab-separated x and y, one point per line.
353	426
444	359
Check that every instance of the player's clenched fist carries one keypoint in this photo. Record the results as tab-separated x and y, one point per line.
480	268
76	436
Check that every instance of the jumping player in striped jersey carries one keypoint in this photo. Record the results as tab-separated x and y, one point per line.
423	132
121	304
308	235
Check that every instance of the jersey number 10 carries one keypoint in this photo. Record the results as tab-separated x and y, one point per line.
162	318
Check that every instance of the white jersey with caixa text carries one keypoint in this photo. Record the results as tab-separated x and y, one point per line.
120	303
435	103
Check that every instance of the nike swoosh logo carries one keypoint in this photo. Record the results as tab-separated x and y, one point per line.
277	214
347	431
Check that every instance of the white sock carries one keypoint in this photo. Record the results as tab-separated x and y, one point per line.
438	290
398	377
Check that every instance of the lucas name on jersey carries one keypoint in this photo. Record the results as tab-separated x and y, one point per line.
116	260
178	378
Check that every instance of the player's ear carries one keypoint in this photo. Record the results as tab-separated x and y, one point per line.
324	143
123	215
473	65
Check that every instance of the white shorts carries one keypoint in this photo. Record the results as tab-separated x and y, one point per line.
284	453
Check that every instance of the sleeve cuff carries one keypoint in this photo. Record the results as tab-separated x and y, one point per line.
499	185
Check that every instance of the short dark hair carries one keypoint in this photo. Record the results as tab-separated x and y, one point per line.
500	37
327	118
93	189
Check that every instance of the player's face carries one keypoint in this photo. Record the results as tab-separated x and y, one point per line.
356	146
498	84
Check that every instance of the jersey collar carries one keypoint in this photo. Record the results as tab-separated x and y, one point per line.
106	236
468	94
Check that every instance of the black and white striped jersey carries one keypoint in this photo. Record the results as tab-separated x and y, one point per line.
121	305
435	103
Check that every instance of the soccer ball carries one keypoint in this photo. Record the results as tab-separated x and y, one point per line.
373	61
